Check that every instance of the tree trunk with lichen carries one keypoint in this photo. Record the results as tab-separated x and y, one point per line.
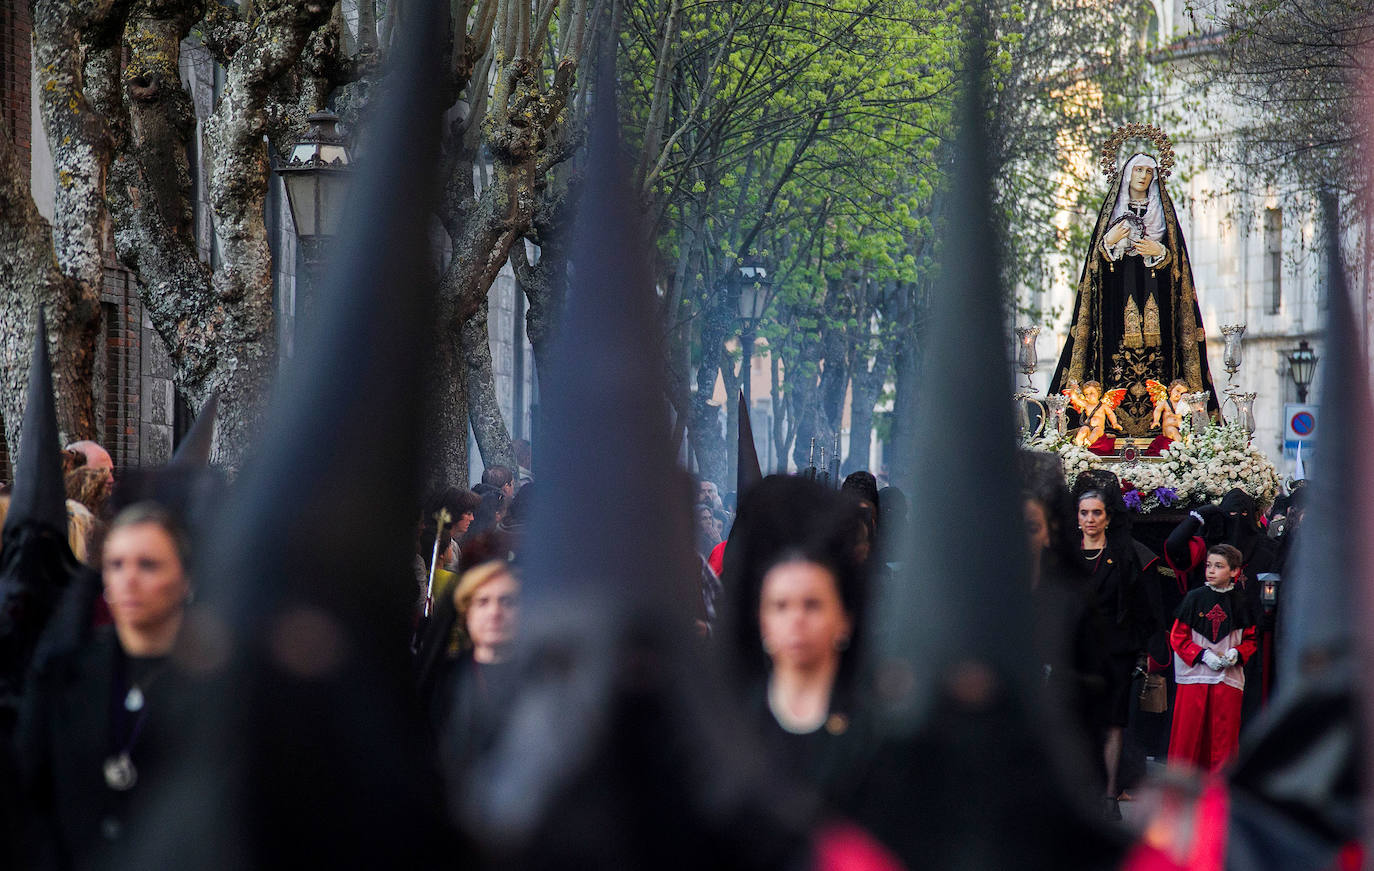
544	281
219	326
446	406
543	286
484	407
60	267
480	250
29	279
866	383
521	132
121	126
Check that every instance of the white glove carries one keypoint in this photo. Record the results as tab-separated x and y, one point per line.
1232	656
1212	661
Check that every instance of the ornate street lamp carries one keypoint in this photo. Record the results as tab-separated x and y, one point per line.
1302	365
316	176
752	282
753	291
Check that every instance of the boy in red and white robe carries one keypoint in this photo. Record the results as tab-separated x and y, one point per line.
1212	637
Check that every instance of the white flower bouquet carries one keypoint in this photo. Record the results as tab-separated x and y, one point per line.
1196	471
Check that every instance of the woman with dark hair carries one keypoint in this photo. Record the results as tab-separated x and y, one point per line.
491	510
1122	575
1069	632
461	506
92	731
798	603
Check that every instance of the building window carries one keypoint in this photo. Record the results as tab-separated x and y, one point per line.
1273	259
1148	32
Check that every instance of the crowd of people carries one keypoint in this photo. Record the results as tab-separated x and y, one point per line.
786	574
1152	653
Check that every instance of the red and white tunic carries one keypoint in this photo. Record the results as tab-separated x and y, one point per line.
1212	619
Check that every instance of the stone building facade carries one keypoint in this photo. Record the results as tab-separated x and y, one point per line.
512	362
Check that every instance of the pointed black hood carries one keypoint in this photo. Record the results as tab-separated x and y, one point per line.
610	321
747	469
36	565
309	748
188	487
965	466
615	755
954	672
194	449
1296	782
39	496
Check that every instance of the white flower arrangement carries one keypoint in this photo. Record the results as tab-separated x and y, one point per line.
1196	471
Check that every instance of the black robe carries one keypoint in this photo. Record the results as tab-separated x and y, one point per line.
470	710
833	761
73	718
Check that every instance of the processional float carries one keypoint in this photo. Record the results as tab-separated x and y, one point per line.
1132	392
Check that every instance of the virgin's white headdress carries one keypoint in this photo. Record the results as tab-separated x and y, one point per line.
1154	215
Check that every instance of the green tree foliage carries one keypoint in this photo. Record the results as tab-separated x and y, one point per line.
813	138
803	135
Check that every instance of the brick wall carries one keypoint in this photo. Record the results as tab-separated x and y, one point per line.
15	46
136	406
133	379
118	381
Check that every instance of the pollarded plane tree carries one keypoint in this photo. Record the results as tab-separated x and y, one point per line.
121	125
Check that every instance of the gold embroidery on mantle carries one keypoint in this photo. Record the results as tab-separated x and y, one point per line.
1130	333
1151	323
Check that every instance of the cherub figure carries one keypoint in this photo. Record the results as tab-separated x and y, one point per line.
1096	408
1170	407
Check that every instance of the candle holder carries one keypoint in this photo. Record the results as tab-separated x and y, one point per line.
1059	405
1027	357
1244	404
1197	409
1232	353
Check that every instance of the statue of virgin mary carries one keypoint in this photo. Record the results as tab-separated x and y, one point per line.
1136	316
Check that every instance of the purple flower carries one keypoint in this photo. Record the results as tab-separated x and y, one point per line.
1132	499
1167	496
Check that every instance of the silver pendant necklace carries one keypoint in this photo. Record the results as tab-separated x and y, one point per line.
120	774
119	770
